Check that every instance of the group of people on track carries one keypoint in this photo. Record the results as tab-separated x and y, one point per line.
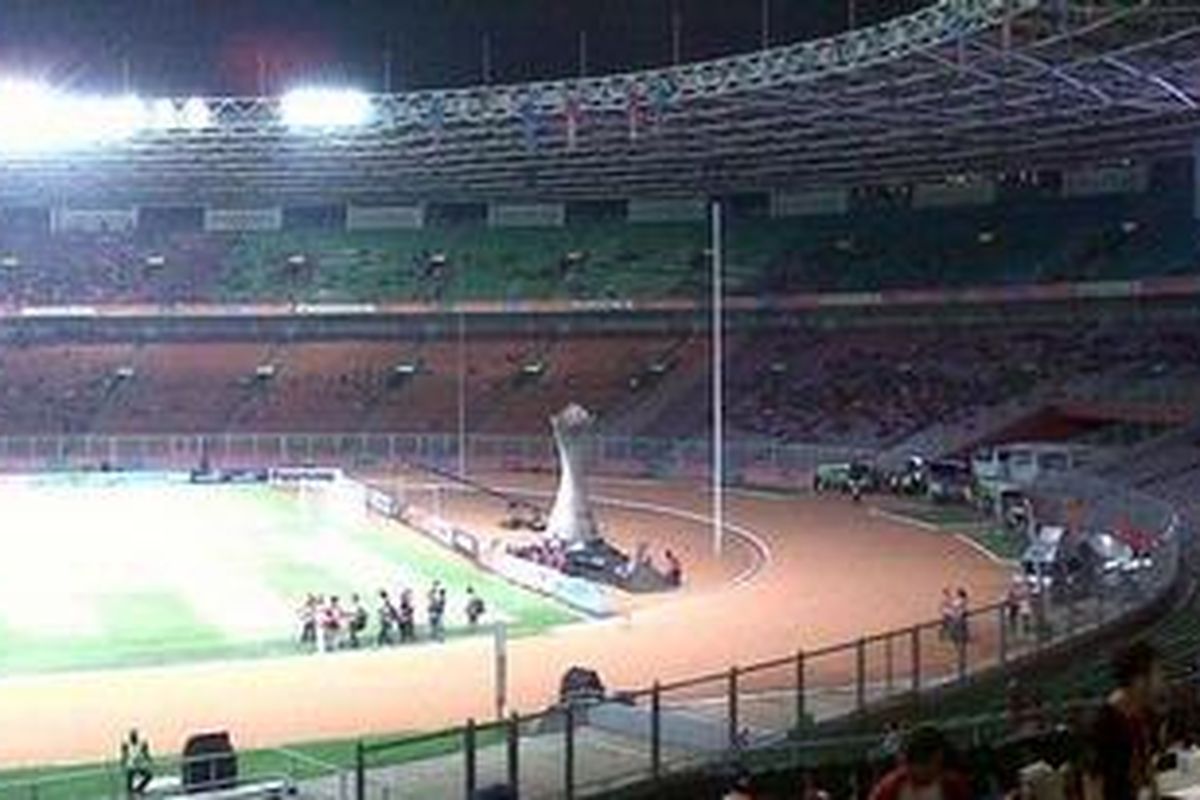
328	624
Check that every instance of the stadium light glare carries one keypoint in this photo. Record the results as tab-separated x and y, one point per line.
196	114
324	108
171	115
163	115
29	118
105	118
37	119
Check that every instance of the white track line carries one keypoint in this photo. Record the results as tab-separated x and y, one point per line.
983	551
892	516
756	542
926	526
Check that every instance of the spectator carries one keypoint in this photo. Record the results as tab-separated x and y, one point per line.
962	617
888	751
406	620
475	607
741	787
674	569
809	789
1123	740
136	763
389	619
947	629
332	623
436	608
308	620
357	621
922	772
1012	603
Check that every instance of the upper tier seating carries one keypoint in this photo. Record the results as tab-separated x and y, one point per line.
1016	243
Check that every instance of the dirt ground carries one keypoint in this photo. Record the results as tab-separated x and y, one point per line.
798	572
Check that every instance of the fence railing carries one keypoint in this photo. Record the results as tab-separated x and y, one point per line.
645	734
746	461
260	774
649	732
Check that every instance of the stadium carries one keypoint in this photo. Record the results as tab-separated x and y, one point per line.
815	411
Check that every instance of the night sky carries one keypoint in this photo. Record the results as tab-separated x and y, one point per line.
215	46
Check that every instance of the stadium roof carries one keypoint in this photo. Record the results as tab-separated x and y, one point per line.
963	86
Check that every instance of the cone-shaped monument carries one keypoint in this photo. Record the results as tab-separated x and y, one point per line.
571	519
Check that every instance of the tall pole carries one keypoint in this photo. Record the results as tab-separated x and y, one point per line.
387	69
262	75
718	382
1196	179
462	394
676	36
583	54
485	58
765	24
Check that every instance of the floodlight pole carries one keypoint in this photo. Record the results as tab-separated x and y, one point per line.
462	394
718	380
387	70
676	35
485	58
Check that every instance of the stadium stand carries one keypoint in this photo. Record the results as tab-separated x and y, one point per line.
859	385
1030	241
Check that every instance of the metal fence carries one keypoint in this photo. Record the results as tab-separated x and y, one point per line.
263	774
649	732
645	734
761	462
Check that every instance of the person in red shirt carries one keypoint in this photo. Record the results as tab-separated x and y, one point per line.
922	773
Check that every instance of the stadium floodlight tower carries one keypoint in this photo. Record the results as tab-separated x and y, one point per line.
571	519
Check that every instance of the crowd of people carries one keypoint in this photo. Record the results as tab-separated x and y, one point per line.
1129	745
328	624
553	554
872	387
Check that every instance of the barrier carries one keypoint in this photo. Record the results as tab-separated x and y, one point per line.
758	463
668	727
286	475
577	593
649	732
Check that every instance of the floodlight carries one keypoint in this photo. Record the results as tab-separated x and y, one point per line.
29	119
324	108
169	115
37	118
163	115
196	114
104	118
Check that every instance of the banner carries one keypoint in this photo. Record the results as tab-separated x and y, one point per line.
577	593
1097	181
810	203
979	192
526	215
683	209
243	219
115	220
292	475
385	218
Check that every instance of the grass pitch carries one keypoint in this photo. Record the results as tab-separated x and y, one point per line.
96	576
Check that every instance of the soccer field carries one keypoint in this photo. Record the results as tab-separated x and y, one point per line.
151	572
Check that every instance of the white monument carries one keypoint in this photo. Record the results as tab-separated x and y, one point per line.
571	518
